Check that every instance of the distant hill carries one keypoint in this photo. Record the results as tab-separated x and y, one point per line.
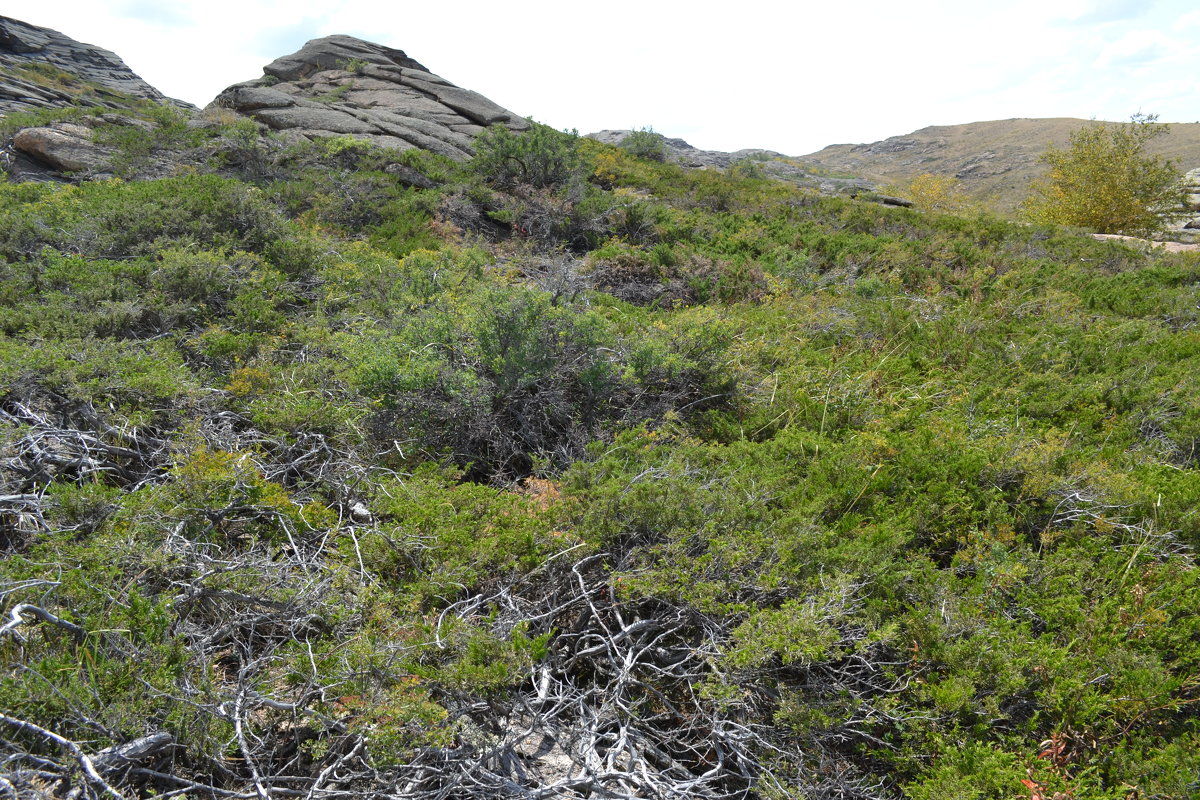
996	160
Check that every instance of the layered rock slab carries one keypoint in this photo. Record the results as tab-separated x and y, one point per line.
30	55
343	86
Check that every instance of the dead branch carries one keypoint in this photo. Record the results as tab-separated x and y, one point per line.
17	619
85	762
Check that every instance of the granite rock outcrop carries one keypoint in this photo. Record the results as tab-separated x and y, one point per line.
42	68
340	85
64	146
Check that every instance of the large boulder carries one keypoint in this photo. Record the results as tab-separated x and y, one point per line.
343	86
62	146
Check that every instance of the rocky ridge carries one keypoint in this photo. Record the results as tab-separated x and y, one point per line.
344	86
684	154
33	61
340	85
769	162
334	86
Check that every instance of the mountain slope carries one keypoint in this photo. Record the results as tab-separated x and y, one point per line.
996	161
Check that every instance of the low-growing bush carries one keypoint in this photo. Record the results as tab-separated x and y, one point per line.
112	219
516	382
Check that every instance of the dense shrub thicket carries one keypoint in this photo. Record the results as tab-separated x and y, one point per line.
569	471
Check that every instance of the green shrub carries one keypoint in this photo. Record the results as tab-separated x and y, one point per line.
577	216
540	157
355	65
118	220
863	500
646	144
512	380
14	121
135	145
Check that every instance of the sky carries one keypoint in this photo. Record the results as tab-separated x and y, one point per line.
792	77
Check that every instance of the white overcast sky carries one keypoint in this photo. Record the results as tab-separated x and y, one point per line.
788	76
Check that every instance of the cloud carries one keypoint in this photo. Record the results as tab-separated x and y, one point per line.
155	12
1137	49
284	39
1188	20
1101	11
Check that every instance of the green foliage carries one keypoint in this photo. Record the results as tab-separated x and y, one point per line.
337	94
509	379
118	220
910	497
475	535
355	65
646	144
972	772
540	157
1104	180
14	121
135	145
578	216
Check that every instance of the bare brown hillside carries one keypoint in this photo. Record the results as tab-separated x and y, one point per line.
996	160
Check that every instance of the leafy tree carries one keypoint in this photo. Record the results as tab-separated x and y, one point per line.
540	157
1105	180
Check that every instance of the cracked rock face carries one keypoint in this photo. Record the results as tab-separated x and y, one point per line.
23	46
340	85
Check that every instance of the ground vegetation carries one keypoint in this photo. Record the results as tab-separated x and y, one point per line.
329	471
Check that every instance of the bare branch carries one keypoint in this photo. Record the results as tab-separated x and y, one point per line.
85	763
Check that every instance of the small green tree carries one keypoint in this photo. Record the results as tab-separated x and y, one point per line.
645	143
1104	180
540	157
